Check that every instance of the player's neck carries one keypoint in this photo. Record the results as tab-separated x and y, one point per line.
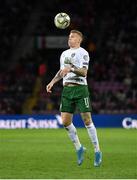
74	47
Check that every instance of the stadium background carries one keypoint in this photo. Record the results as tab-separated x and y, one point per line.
30	48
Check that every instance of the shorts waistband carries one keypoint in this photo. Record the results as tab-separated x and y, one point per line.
71	84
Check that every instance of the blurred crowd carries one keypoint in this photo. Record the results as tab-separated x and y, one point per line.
13	16
16	86
110	38
116	71
16	79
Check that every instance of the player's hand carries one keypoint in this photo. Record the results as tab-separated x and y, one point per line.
49	87
65	71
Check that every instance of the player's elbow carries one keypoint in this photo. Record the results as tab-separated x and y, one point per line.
84	73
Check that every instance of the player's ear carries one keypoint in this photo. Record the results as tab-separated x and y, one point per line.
80	40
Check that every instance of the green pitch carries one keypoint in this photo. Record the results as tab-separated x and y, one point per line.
49	154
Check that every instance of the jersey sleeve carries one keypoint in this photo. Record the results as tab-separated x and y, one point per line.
85	60
61	61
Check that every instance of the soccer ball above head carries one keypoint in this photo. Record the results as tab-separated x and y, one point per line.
62	20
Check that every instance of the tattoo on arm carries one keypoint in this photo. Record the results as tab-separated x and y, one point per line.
57	77
80	71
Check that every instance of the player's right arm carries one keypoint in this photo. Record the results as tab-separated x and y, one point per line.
57	77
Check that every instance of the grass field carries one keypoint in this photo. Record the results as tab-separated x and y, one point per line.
49	154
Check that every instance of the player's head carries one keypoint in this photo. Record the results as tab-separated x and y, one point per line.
75	39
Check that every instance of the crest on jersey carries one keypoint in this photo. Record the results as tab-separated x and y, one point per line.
85	57
67	60
72	55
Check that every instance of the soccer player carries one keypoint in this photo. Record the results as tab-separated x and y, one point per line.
73	69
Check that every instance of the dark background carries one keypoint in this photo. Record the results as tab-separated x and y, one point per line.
110	31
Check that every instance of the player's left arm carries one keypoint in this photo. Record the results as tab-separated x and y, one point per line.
80	71
83	69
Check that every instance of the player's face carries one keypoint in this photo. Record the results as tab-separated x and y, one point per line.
74	40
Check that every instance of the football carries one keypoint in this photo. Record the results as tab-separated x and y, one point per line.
62	20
